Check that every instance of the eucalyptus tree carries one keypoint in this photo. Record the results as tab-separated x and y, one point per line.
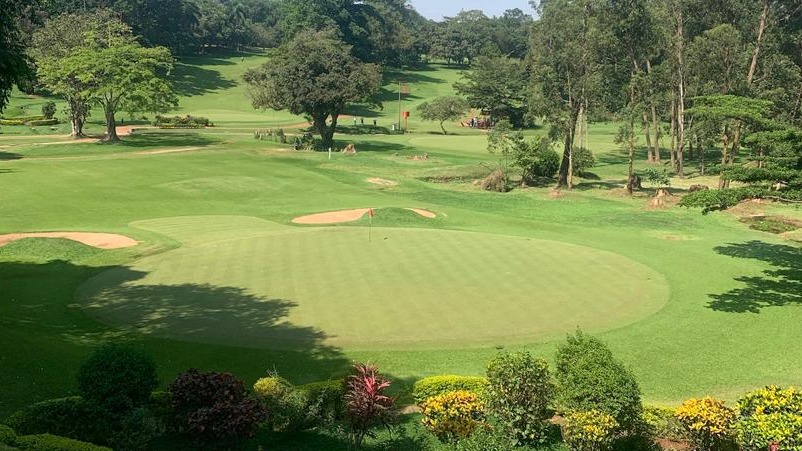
565	73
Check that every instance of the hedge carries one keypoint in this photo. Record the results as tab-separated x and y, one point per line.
48	442
7	435
23	119
42	122
437	385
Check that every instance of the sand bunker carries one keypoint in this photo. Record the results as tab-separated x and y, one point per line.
382	182
332	217
336	217
99	240
422	212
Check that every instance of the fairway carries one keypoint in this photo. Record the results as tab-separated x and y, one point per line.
360	289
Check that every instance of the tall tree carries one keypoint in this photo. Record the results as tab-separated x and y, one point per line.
13	61
122	76
499	84
564	70
441	109
316	75
61	37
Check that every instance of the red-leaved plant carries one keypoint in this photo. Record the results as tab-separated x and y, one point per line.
366	405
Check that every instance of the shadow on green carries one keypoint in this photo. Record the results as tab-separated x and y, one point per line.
777	287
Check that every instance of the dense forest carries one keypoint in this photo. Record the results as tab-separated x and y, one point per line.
681	76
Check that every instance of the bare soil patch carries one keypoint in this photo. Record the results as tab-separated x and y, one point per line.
382	182
332	217
422	212
99	240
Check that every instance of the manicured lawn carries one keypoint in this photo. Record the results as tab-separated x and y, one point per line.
222	280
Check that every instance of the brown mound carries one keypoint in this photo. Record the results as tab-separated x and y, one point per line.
382	182
99	240
332	217
422	212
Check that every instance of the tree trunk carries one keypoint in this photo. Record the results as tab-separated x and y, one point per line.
77	114
722	182
443	128
672	150
326	132
648	132
701	151
761	29
111	126
656	126
681	90
562	176
631	154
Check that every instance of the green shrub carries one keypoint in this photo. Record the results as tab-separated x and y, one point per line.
71	417
589	431
42	122
453	415
7	435
519	395
771	414
437	385
187	121
49	109
661	422
324	400
272	387
590	378
48	442
536	158
583	160
117	377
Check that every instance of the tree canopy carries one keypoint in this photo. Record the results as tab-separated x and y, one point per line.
13	61
316	75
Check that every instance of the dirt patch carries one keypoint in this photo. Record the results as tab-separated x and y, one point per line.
332	217
99	240
123	130
170	150
422	212
382	182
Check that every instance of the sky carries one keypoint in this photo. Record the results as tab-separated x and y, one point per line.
436	9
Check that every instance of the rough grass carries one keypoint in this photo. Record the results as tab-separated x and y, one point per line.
730	322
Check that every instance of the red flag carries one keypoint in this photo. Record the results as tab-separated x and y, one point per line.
370	212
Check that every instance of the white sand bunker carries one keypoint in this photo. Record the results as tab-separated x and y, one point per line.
336	217
382	182
332	217
99	240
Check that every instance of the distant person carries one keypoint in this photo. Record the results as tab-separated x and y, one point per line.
374	122
354	121
362	120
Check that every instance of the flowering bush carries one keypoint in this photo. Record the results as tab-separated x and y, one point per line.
592	430
453	415
366	405
707	420
771	414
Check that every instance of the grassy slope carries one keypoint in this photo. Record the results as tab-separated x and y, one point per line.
733	303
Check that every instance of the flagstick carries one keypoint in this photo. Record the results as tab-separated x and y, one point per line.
370	224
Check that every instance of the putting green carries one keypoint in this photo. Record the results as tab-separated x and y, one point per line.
268	285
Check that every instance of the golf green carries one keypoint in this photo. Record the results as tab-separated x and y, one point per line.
268	285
